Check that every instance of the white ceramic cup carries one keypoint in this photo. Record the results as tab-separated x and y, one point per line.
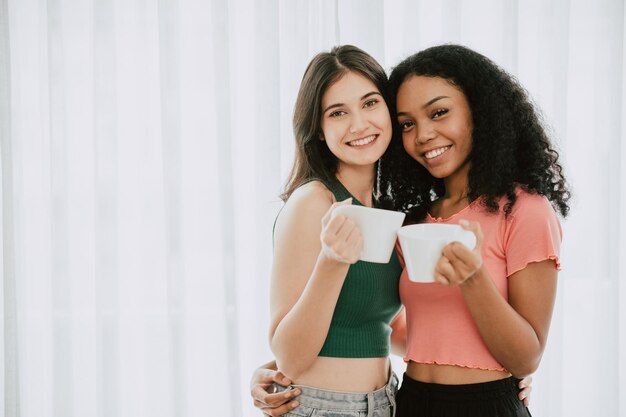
422	245
378	227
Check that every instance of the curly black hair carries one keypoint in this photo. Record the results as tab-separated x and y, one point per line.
510	147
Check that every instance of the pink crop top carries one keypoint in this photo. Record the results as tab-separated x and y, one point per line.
440	329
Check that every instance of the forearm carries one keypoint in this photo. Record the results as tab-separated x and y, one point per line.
301	333
398	346
398	334
509	337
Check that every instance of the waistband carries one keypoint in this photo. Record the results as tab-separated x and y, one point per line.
347	401
483	390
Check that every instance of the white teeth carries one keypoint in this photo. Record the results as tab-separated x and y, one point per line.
436	152
363	141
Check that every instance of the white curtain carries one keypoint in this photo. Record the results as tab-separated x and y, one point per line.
143	146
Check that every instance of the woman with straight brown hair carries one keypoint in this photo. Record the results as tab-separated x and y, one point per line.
330	312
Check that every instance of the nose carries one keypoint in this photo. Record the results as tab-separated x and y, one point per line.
424	133
358	123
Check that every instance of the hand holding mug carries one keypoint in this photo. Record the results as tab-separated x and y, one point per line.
458	263
423	244
341	238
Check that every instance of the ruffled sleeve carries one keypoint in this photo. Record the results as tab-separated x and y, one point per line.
533	233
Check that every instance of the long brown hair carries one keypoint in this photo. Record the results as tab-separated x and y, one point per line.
313	158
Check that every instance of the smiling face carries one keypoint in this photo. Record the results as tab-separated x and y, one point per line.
436	124
355	121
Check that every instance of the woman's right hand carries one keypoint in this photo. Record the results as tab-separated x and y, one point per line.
341	238
525	387
272	404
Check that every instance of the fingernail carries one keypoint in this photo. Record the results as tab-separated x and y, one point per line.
286	381
294	404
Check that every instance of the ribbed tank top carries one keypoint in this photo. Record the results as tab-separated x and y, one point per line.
368	301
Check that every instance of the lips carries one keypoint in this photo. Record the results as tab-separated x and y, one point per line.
433	153
363	141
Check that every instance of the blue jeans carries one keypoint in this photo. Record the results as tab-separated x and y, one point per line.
315	402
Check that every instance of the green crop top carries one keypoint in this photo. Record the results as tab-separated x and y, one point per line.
368	301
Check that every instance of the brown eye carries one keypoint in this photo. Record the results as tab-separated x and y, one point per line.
406	125
438	113
337	113
370	103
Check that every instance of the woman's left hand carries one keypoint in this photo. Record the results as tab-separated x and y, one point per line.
458	263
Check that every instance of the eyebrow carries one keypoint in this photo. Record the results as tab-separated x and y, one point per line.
332	106
431	101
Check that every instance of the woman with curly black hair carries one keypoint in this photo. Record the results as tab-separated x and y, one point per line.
483	161
510	146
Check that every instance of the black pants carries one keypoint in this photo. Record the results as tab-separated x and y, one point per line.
488	399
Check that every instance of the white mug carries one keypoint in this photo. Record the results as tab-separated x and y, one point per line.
378	227
422	245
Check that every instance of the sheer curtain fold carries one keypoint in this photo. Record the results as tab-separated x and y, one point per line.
8	331
619	231
143	148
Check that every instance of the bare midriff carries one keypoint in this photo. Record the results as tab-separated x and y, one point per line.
452	374
346	374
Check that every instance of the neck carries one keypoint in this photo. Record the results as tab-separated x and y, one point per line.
457	185
359	181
